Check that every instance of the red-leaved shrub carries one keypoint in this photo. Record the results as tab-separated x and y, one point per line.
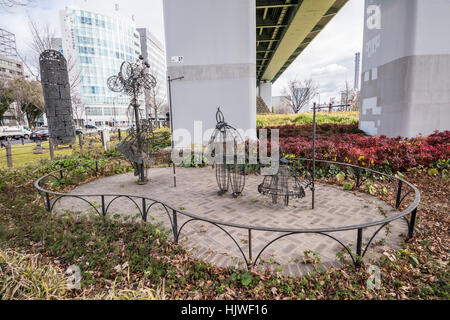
334	142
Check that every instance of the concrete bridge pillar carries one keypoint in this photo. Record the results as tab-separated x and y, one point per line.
265	92
212	44
405	85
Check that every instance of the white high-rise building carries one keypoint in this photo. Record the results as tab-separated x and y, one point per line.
153	52
95	46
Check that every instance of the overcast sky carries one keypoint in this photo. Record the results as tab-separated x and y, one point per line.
328	60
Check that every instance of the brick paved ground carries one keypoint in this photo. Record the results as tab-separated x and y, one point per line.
196	193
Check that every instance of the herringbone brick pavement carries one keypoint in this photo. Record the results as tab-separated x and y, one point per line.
196	193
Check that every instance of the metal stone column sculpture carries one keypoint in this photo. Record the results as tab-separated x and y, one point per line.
132	79
228	169
56	90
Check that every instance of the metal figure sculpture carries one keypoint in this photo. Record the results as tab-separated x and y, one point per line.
285	184
145	155
224	145
56	90
133	79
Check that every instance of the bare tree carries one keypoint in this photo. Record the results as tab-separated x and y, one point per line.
284	107
41	40
78	107
356	101
42	37
8	4
348	95
299	94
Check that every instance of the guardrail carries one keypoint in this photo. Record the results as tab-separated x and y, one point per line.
403	189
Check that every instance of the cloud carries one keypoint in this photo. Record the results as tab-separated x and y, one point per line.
331	69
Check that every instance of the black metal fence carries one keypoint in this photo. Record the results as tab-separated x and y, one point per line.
403	191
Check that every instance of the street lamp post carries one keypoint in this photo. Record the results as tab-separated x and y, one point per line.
169	80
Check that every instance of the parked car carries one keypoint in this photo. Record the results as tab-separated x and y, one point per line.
39	135
15	132
91	127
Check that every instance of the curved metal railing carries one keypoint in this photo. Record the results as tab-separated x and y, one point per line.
402	188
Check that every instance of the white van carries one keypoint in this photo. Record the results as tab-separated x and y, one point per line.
15	132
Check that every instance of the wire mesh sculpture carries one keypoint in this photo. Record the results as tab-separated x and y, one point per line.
285	184
225	144
147	154
133	79
58	103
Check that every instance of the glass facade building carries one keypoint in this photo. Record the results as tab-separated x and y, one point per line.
153	52
95	46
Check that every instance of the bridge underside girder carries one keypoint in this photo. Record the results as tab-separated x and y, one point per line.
284	28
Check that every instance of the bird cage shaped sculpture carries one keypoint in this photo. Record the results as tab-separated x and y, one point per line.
285	184
58	103
226	146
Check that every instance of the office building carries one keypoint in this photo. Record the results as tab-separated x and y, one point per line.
10	67
95	46
154	53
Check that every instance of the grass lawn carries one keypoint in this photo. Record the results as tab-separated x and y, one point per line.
266	120
23	155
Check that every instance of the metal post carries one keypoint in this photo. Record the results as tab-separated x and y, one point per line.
250	258
399	194
412	223
141	167
120	134
144	210
358	172
103	206
171	131
313	176
50	147
9	155
169	80
359	247
175	226
47	200
80	141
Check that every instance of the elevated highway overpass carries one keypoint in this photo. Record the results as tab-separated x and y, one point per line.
284	28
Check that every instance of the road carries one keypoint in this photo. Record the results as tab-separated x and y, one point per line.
13	141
